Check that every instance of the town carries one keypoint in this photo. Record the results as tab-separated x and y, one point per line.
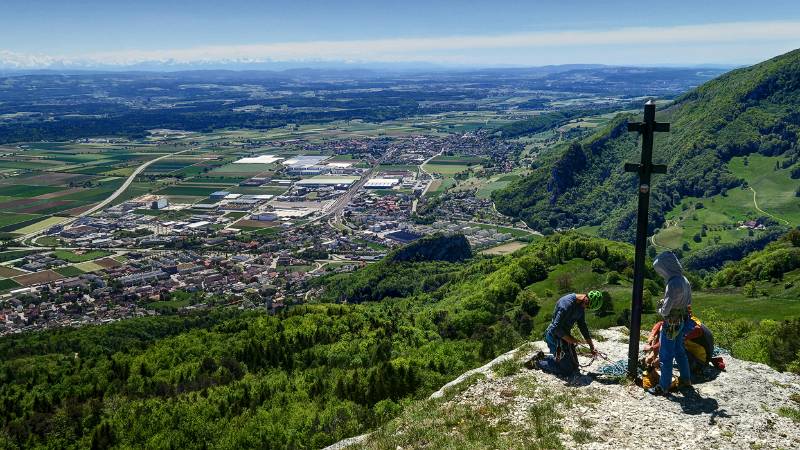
277	220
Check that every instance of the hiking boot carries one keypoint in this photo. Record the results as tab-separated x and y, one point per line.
533	363
657	391
684	383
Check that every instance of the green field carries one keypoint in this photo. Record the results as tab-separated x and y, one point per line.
40	225
7	283
89	266
14	218
21	190
774	188
69	271
188	191
439	186
445	169
73	257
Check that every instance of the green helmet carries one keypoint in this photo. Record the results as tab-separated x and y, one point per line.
595	300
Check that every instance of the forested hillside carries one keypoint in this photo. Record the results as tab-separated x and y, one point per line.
301	379
754	109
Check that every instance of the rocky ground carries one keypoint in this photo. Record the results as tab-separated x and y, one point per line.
504	405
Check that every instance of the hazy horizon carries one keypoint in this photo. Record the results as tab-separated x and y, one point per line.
91	34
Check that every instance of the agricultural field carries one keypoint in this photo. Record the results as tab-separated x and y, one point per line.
8	284
89	266
45	183
75	257
69	271
45	276
484	186
440	186
451	165
40	225
504	249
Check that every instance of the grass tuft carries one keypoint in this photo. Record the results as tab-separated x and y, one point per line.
507	367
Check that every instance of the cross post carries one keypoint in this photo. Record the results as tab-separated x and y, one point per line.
644	169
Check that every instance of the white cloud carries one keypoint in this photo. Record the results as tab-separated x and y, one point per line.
783	34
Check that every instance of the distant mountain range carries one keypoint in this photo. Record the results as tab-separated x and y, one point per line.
14	63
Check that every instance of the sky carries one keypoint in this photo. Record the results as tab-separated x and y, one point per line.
85	33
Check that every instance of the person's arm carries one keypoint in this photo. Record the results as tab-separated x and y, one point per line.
672	296
558	323
652	341
585	332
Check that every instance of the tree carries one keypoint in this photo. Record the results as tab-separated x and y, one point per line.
607	307
564	282
750	289
613	277
598	265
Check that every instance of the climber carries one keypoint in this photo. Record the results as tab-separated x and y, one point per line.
699	343
570	309
675	309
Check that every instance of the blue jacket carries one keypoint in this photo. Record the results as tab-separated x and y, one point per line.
567	312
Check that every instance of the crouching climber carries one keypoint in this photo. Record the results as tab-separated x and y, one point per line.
570	309
675	309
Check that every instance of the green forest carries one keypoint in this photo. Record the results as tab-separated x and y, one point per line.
301	379
317	373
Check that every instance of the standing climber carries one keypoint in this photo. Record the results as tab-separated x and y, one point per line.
675	309
570	309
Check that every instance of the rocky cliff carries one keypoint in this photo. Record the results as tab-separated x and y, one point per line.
504	405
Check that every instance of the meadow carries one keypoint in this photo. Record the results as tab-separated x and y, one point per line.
769	192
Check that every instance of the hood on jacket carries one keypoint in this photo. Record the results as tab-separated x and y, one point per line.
667	265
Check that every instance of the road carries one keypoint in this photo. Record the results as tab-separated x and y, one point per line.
422	169
108	200
127	183
339	204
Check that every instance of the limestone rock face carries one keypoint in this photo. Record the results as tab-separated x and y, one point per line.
738	409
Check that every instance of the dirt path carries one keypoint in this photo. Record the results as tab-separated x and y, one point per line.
755	203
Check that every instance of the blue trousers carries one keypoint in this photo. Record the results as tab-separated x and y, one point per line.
673	349
565	366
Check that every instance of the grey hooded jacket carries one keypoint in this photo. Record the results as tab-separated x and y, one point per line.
678	294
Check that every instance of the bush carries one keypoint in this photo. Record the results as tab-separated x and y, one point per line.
648	306
598	265
607	307
613	277
750	289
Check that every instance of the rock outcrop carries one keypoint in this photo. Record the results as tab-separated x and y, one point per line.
749	405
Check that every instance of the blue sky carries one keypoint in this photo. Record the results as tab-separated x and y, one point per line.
489	32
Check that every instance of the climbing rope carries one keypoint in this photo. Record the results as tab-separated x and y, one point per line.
595	356
615	369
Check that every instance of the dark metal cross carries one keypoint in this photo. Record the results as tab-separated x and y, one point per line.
645	168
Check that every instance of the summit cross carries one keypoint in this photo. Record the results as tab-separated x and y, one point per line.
645	169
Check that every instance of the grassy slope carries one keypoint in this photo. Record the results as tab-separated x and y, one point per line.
775	195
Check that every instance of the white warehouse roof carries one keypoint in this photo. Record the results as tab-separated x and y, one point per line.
381	182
